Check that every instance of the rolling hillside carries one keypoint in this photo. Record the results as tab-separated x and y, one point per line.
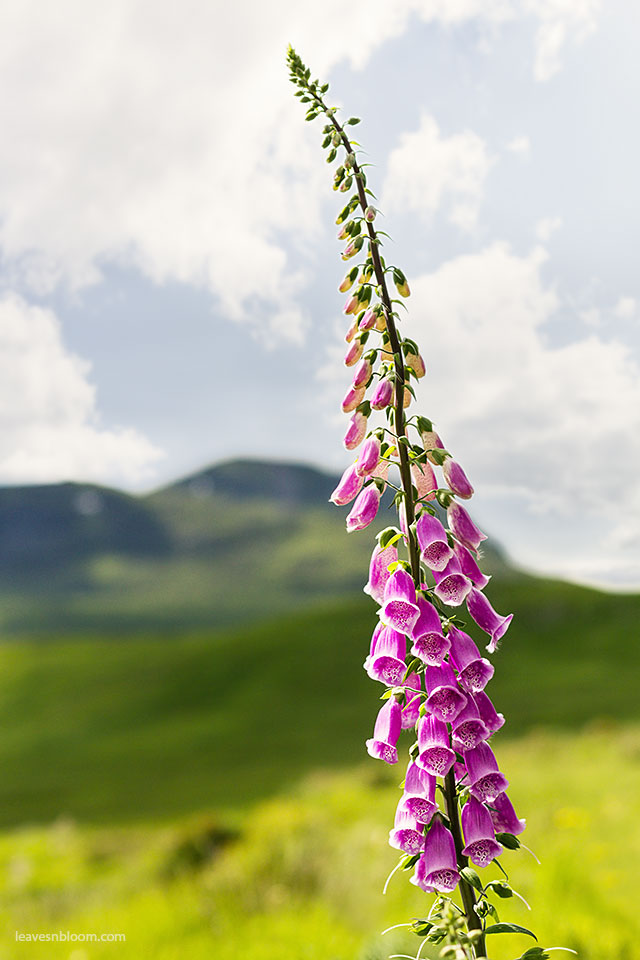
237	542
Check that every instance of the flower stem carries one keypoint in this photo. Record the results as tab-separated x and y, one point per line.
398	360
468	896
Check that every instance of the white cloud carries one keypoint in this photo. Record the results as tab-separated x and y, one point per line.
520	145
546	227
49	426
560	21
559	426
164	136
428	171
626	308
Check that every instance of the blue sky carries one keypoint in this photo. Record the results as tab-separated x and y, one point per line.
169	266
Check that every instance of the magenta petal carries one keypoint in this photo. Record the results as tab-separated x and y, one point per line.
407	834
487	711
400	609
474	671
452	586
445	700
457	479
469	566
411	709
434	546
355	431
487	618
463	527
382	746
434	750
440	868
379	572
364	510
477	826
387	662
349	486
369	457
504	817
382	395
468	728
429	642
419	797
485	779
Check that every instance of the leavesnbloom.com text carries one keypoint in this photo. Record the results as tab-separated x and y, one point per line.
68	936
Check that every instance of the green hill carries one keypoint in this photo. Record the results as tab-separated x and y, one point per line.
153	725
240	541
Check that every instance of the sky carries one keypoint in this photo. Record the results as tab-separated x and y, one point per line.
169	263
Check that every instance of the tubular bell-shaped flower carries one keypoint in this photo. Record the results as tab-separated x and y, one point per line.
369	457
349	486
429	642
407	834
352	399
382	395
457	479
364	510
355	431
487	618
452	586
463	527
382	746
504	817
477	826
363	373
379	570
434	751
445	700
474	671
469	566
437	867
400	609
492	720
468	728
386	659
485	779
435	551
419	797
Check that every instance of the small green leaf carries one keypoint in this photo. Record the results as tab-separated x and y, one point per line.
471	877
421	927
388	536
534	953
352	121
508	840
509	928
500	888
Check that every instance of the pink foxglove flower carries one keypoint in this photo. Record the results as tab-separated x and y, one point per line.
419	796
445	699
463	527
468	729
452	586
429	642
352	399
349	486
474	671
504	817
469	566
400	609
481	845
487	619
435	755
379	571
435	551
382	746
362	374
353	354
407	834
491	718
382	396
485	779
386	658
364	510
369	457
457	479
355	431
438	866
425	480
368	320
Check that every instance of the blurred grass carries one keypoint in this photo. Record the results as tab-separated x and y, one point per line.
303	876
150	726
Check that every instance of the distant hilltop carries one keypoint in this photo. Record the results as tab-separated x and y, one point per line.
241	540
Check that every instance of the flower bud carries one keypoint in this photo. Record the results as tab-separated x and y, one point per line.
349	486
355	431
401	282
368	320
351	332
352	305
349	279
425	480
369	457
363	374
381	323
407	398
353	353
343	233
457	479
353	397
364	509
382	395
370	214
431	441
415	361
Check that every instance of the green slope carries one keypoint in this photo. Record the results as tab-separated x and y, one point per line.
152	726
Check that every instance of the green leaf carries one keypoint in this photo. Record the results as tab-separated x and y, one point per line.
471	877
534	953
421	927
352	121
508	840
388	536
509	928
333	153
502	889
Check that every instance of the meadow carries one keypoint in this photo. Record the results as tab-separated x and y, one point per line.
208	795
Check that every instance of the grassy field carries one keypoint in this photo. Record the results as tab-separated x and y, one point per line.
300	876
128	729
